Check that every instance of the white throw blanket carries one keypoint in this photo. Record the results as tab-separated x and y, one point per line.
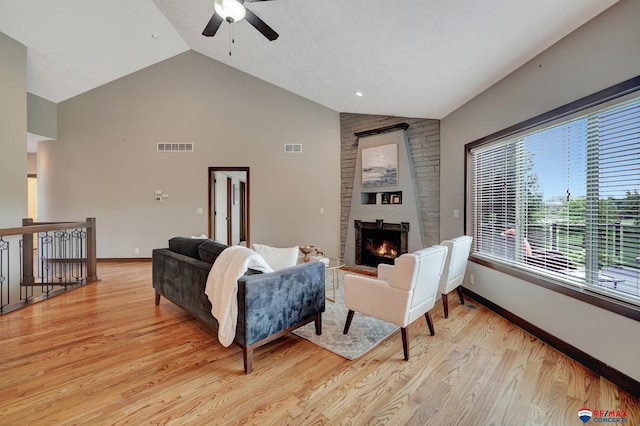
222	287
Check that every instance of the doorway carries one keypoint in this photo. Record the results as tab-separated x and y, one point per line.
229	205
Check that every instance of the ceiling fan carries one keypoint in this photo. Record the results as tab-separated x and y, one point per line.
234	11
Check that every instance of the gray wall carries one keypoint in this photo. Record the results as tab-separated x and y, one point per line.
13	132
42	116
601	53
104	162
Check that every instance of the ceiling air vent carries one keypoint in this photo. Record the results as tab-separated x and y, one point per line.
292	147
175	147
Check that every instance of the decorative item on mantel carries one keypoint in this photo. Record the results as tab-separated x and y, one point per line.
306	250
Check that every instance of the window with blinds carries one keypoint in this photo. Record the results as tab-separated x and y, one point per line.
562	200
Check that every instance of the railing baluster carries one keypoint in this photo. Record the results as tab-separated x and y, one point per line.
5	274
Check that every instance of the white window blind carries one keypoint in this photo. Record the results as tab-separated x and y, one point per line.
563	200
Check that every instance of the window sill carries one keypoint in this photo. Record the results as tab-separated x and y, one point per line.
583	294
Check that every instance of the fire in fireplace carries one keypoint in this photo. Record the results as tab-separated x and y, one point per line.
379	246
386	249
379	242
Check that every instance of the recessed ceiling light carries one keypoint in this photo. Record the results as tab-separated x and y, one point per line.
358	93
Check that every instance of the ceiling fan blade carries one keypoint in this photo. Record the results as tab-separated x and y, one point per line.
213	25
260	25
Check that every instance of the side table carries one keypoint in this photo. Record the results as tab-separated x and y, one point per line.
331	267
335	263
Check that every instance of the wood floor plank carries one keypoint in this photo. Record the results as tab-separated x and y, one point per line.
105	354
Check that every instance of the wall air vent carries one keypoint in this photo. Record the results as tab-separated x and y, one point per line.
175	147
292	147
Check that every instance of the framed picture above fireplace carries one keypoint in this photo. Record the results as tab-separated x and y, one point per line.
380	166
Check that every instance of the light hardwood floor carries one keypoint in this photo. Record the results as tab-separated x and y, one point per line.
105	354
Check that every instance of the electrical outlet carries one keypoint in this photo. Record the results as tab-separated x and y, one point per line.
137	250
472	279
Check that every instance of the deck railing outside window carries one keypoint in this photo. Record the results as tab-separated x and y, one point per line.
561	198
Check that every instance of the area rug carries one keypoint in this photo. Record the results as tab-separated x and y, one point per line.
364	334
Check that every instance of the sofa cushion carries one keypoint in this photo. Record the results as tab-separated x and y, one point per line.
209	250
278	258
186	246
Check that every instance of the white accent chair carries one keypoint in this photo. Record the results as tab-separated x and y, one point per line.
454	269
401	293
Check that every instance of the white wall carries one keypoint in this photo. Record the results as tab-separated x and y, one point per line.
13	132
601	53
104	161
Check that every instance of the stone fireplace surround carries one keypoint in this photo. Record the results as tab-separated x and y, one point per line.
423	159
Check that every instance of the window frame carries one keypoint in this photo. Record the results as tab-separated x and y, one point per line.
628	87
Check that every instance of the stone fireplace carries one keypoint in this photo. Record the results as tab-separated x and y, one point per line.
387	208
378	242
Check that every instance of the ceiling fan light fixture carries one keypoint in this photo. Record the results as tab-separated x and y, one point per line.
229	10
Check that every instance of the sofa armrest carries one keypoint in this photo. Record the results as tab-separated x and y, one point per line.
182	280
272	302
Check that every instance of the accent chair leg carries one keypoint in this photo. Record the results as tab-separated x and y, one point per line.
430	323
348	323
445	305
247	355
157	298
405	342
459	290
319	324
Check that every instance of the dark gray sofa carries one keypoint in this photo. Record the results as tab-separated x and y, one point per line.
269	304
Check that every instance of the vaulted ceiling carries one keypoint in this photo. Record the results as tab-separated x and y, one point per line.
411	58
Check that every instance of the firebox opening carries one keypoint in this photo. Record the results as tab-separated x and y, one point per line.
379	246
379	242
385	248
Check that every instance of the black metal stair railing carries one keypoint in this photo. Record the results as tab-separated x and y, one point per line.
62	258
52	258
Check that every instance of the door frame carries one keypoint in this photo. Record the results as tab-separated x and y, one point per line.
244	203
229	211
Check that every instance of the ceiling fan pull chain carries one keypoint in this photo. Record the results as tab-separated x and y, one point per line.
230	37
